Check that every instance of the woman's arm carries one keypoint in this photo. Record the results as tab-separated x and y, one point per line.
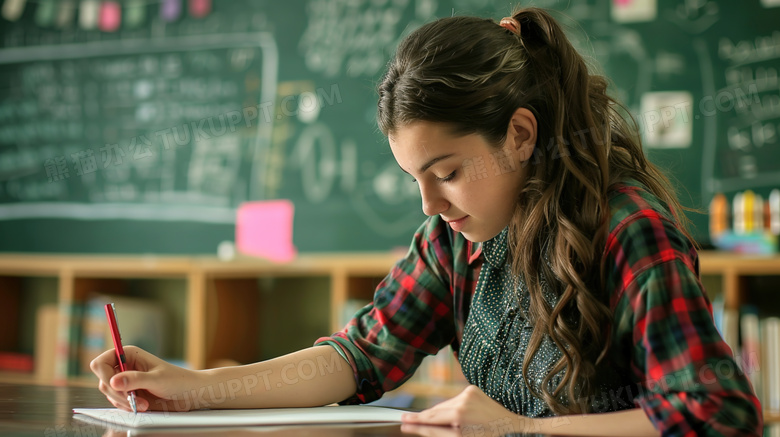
412	316
310	377
473	410
632	422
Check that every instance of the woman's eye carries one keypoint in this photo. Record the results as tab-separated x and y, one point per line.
447	178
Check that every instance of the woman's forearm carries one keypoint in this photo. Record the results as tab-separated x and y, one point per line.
311	377
632	422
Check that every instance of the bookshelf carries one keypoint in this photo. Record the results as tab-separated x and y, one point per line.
213	298
209	299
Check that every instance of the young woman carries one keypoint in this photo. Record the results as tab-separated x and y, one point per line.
554	261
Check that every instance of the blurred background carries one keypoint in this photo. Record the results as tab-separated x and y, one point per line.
132	126
132	133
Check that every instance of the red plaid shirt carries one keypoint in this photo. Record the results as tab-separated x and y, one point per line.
683	374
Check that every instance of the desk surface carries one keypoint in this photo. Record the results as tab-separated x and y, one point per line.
31	410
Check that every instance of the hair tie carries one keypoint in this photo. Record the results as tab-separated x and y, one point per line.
510	24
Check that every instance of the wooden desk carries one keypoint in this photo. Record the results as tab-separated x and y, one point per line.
37	410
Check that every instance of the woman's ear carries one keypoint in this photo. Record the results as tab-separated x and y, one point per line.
521	133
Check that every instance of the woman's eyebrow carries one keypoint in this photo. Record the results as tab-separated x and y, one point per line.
430	163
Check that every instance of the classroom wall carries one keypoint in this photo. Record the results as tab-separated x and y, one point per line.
144	130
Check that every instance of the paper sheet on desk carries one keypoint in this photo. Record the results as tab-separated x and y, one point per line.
220	418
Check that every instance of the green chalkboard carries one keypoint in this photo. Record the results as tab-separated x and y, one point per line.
146	138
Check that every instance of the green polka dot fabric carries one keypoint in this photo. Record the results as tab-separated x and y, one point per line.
497	334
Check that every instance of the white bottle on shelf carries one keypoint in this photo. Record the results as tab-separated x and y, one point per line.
774	212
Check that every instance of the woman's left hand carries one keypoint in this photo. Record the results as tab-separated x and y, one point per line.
472	409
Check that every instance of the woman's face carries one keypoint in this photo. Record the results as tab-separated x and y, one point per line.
473	186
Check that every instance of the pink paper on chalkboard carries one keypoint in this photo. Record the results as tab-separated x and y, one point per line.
110	16
200	8
264	229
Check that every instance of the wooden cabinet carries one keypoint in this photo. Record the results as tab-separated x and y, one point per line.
240	311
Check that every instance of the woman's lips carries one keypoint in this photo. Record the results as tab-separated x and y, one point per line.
457	225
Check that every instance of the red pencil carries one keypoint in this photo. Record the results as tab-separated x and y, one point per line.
120	351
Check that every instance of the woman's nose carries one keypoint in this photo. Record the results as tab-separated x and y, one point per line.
433	202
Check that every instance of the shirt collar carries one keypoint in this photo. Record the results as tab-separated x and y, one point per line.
495	249
475	252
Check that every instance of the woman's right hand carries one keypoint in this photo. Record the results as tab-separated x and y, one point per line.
158	385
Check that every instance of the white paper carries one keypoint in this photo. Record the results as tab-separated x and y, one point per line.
221	418
666	119
630	11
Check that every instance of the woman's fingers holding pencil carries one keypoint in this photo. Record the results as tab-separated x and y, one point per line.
149	386
104	368
113	382
158	385
115	398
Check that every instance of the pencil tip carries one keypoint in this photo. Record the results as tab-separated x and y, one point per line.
131	399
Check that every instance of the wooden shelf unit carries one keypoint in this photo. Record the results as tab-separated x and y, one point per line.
211	286
734	269
215	287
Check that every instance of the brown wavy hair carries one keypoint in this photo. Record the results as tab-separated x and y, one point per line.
472	74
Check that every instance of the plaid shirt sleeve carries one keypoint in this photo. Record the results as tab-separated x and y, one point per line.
688	381
410	318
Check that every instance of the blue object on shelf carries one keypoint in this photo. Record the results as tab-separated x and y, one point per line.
758	243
